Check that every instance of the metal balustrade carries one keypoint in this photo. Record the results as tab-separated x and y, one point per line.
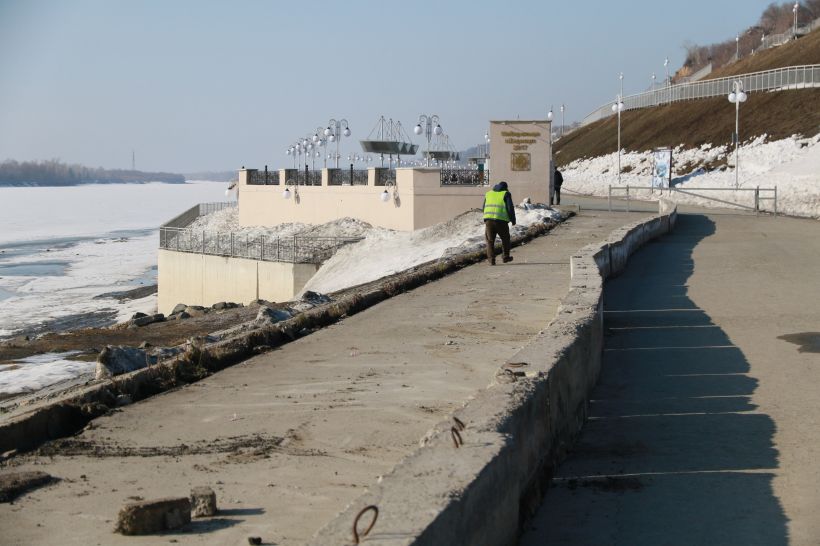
464	177
385	175
263	178
295	249
792	77
346	177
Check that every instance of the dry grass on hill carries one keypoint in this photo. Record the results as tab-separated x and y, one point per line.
712	121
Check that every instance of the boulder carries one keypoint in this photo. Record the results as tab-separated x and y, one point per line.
146	319
154	516
268	315
138	315
219	306
314	297
116	360
179	308
203	502
14	484
196	310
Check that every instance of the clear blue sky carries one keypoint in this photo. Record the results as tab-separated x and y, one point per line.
204	85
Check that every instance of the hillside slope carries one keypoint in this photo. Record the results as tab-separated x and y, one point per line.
710	121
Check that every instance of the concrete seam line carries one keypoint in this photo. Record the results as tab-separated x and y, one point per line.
67	414
516	429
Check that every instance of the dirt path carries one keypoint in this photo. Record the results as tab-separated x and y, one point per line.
288	438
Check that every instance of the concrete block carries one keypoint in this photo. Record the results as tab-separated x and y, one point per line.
203	502
154	516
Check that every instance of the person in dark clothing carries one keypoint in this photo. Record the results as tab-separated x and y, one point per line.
558	180
498	212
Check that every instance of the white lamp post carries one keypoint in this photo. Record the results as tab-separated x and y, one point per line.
429	130
618	108
794	28
736	97
562	116
737	47
550	115
668	81
334	133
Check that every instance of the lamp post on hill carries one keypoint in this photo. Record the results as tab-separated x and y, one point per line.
736	97
737	47
794	11
668	81
563	108
618	108
550	115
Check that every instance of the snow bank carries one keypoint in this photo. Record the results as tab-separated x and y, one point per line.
384	252
791	164
36	372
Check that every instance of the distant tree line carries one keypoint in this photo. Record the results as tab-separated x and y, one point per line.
776	19
55	173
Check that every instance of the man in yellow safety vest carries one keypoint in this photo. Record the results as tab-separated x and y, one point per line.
498	211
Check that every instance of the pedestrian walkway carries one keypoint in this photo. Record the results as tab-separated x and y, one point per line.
288	438
703	428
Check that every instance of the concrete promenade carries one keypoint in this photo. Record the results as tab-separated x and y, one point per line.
705	425
288	438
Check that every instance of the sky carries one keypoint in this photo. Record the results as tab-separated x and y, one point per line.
205	85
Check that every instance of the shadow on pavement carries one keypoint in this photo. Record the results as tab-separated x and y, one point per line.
673	451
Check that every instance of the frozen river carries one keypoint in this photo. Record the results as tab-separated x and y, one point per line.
61	247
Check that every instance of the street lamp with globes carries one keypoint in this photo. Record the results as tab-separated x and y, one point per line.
429	130
736	97
334	133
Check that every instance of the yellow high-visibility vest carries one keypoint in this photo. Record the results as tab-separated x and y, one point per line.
494	207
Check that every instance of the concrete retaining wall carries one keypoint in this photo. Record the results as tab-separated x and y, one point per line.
516	430
202	279
68	412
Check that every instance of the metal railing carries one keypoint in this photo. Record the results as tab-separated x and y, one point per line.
783	37
263	178
385	175
760	194
347	177
792	77
295	249
464	177
188	217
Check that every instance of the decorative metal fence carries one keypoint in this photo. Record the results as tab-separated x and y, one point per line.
263	178
347	177
187	217
792	77
464	177
296	249
385	175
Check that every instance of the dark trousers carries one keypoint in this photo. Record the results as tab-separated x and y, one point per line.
493	228
556	196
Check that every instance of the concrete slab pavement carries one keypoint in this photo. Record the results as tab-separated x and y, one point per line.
704	426
288	438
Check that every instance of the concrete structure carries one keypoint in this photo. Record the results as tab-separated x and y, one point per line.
201	279
521	155
418	199
516	430
295	434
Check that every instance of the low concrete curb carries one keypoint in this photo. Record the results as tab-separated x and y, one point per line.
516	430
68	413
